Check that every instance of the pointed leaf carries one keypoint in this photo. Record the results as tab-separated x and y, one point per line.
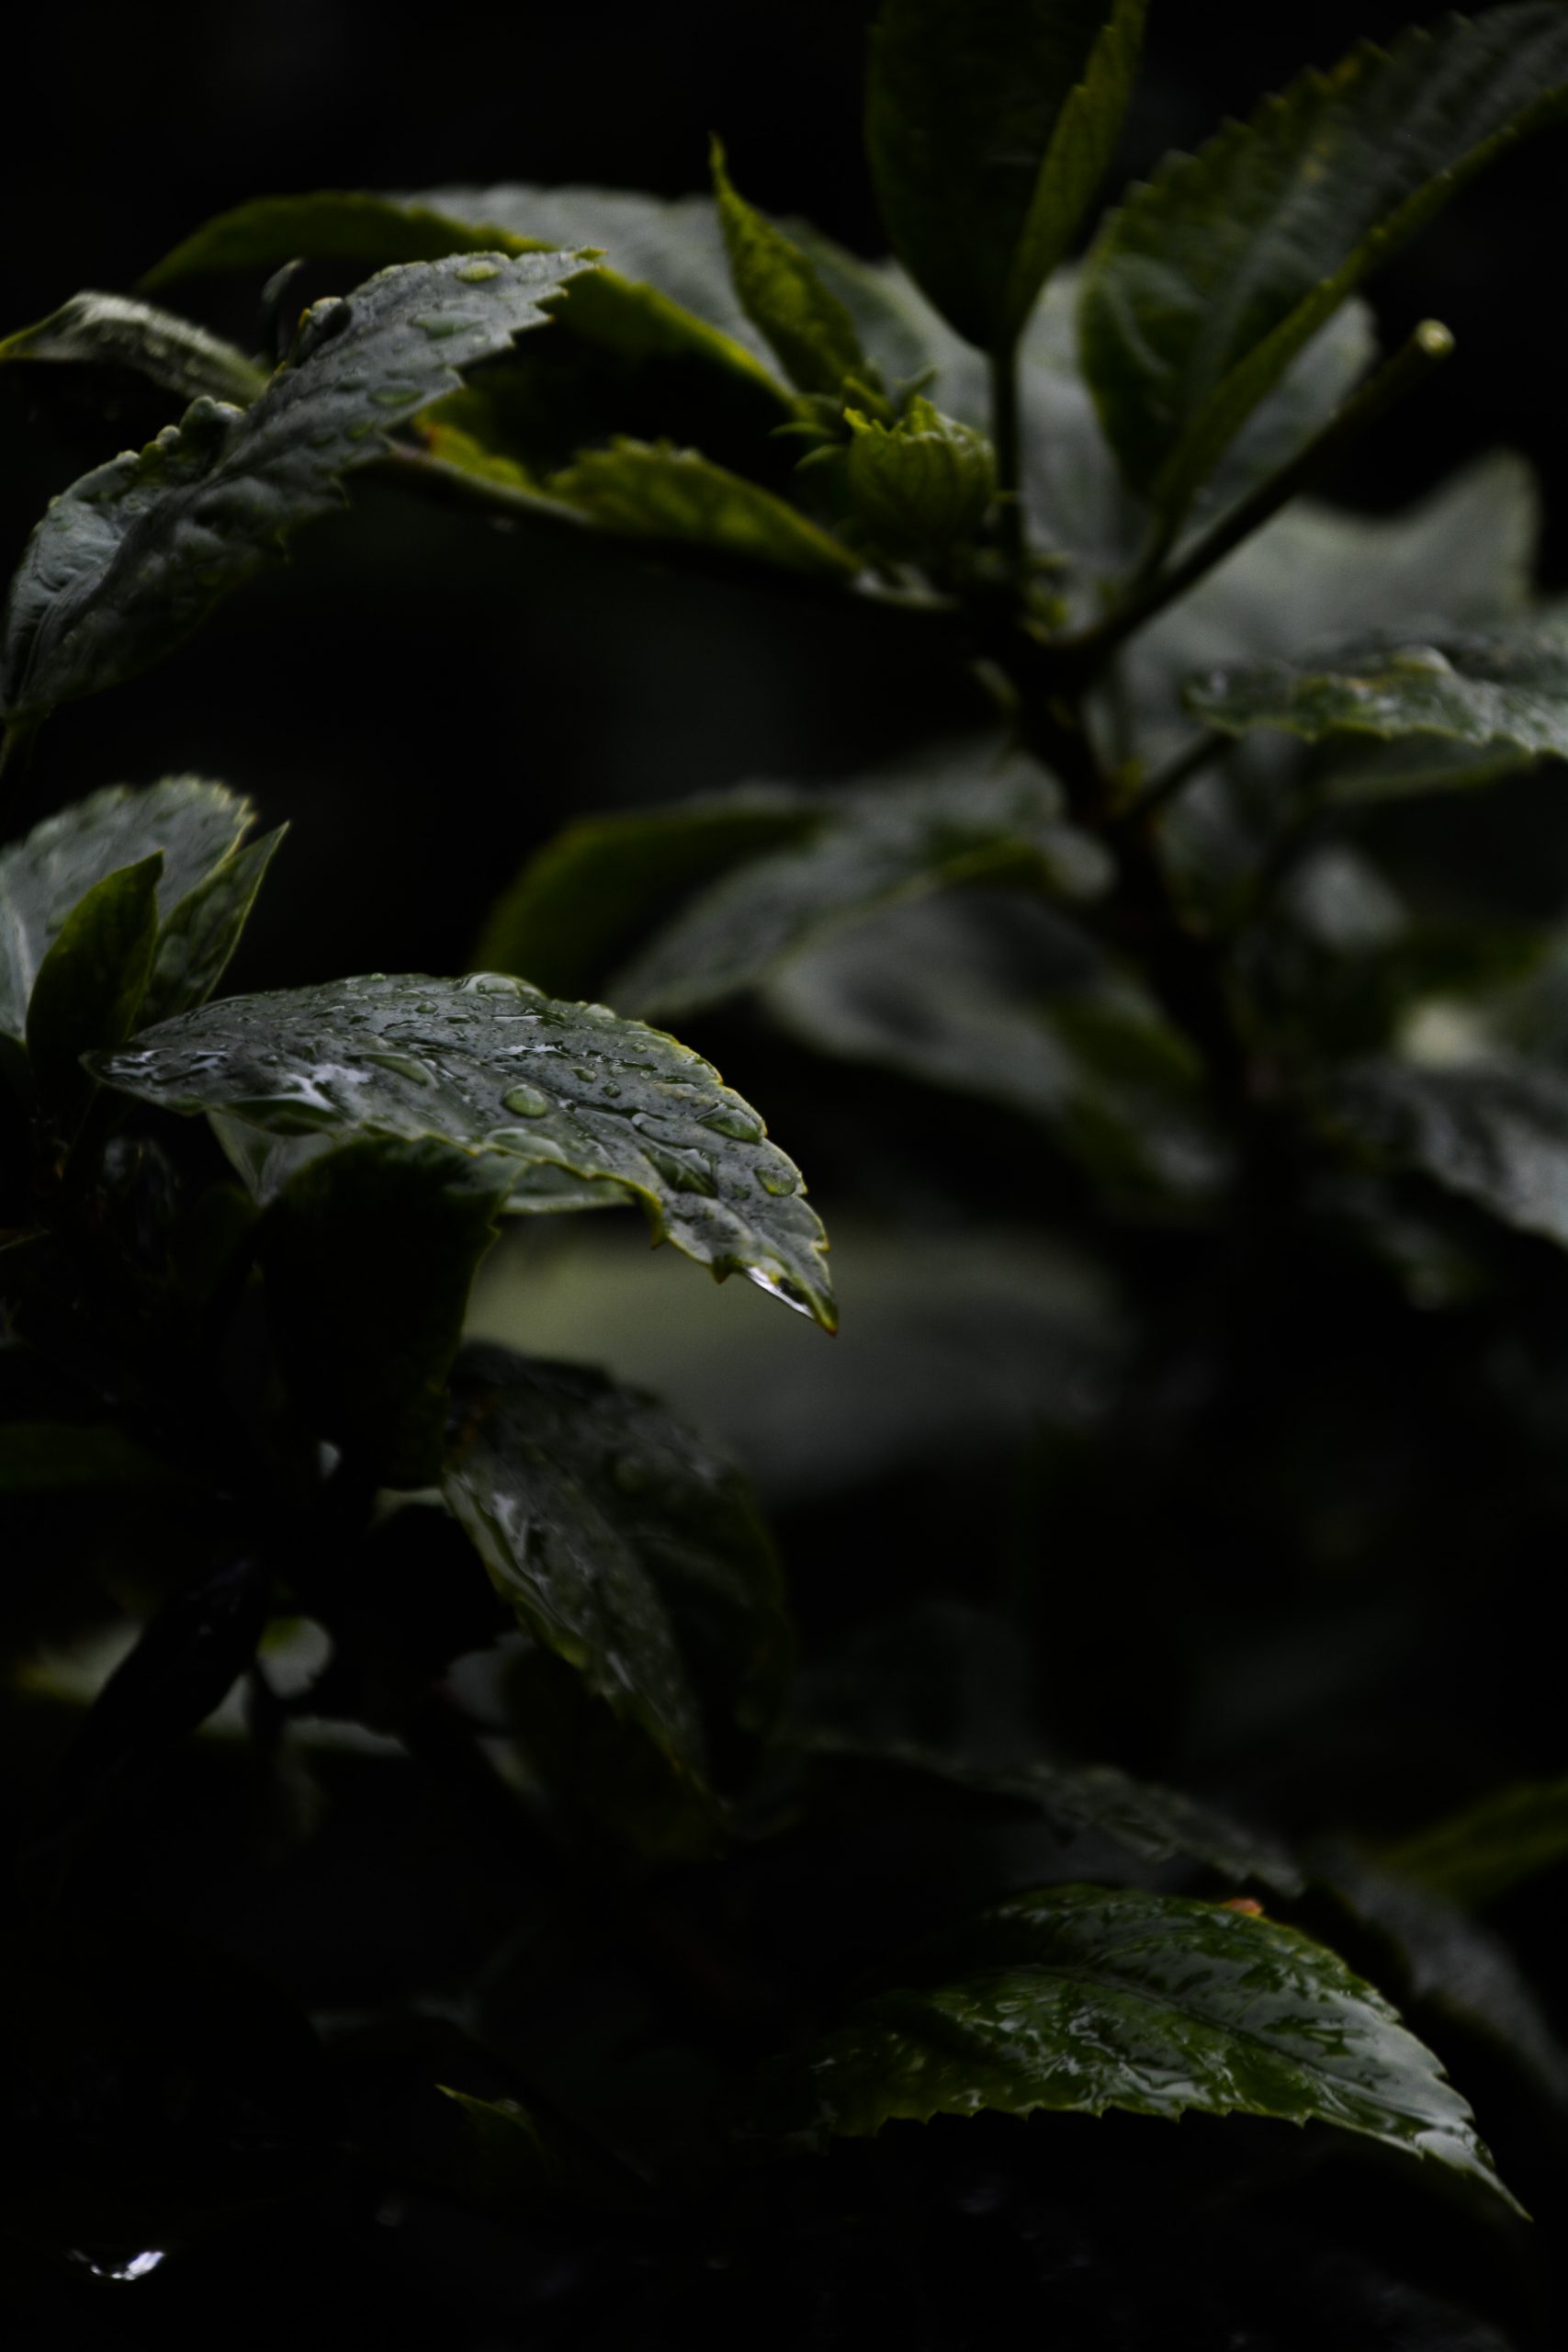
1157	1824
989	124
90	985
874	847
97	330
1508	691
493	1067
1473	1857
590	891
198	936
197	825
1205	285
664	288
131	558
366	1325
1083	1998
781	294
627	1545
655	491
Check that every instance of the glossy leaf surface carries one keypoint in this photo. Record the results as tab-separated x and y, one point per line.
200	933
989	124
131	558
364	1325
1511	691
664	286
653	492
196	826
873	847
1156	1824
1205	285
1083	1997
96	329
625	1544
491	1066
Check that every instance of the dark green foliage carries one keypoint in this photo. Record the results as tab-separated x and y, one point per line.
649	1751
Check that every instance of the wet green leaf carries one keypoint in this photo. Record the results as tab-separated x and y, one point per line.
562	1091
1084	1998
627	1546
131	558
197	826
1495	1132
781	294
1477	1855
115	331
872	846
368	1252
989	124
654	491
1157	1824
664	288
1506	691
922	484
991	996
587	895
1205	285
90	985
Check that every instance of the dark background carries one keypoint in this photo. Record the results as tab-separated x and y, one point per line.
425	700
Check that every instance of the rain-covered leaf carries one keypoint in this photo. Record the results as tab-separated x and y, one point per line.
199	828
368	1252
1495	1132
782	295
627	1545
131	558
991	996
1157	1824
1083	1997
1204	286
1510	692
91	983
1473	1857
560	1091
664	288
989	124
920	485
874	845
654	491
588	894
115	331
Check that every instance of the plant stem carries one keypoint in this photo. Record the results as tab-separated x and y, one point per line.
1005	439
1163	788
1426	349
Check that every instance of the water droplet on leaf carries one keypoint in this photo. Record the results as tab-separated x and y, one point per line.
528	1101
